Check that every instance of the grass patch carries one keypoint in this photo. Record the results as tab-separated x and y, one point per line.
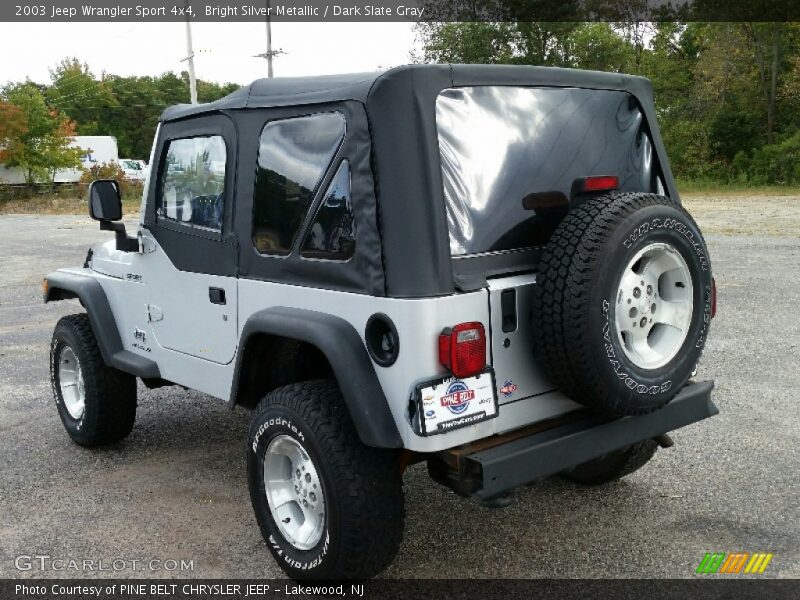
59	205
66	199
711	188
73	201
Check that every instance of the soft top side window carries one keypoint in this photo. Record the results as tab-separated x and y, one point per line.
293	156
192	186
332	235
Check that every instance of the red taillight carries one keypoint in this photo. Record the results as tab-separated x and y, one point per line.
713	297
462	349
600	183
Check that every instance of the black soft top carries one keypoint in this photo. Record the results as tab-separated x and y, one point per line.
285	91
298	91
400	105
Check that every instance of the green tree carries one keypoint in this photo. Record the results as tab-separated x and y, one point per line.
596	46
496	43
133	122
483	43
13	126
770	46
75	92
44	144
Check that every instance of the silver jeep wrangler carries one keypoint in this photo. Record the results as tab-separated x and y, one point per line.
486	268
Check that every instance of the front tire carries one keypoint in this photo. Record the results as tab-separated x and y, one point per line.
96	403
328	506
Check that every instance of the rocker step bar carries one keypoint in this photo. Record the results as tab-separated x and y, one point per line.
491	467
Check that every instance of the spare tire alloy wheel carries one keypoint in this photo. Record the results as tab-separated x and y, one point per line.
654	305
623	302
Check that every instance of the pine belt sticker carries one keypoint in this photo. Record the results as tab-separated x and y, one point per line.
508	388
447	404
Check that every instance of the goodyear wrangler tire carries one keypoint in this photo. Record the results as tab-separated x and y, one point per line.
623	302
328	506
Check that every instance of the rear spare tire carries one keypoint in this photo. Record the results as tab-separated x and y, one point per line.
623	302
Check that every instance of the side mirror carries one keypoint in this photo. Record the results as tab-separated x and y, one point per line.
105	203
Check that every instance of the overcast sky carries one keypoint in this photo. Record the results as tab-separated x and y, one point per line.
223	50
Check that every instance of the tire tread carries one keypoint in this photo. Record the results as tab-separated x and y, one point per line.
613	466
112	416
368	479
561	296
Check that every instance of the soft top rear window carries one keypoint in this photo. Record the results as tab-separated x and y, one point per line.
499	144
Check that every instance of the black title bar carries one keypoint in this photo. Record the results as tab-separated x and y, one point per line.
708	588
397	10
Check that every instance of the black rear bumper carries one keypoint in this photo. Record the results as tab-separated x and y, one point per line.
485	473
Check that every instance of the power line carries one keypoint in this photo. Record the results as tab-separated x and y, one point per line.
117	87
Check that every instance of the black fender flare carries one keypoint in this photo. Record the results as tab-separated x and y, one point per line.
342	346
61	285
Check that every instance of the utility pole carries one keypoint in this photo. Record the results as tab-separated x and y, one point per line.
270	53
269	42
190	59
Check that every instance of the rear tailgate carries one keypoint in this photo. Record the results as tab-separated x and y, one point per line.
511	340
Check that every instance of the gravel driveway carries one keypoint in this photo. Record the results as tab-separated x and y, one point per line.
176	488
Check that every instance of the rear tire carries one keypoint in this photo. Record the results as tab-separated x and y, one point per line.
96	403
623	302
319	475
613	466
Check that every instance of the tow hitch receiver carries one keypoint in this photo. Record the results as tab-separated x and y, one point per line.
495	465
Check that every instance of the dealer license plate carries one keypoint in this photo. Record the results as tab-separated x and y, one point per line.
449	403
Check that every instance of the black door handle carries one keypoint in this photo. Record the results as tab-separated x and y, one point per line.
216	295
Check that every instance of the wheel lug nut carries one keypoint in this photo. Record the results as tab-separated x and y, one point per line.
643	322
308	477
637	292
649	290
297	473
313	497
633	312
305	503
653	308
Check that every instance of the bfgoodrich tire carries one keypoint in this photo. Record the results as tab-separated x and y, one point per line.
96	403
328	506
623	302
